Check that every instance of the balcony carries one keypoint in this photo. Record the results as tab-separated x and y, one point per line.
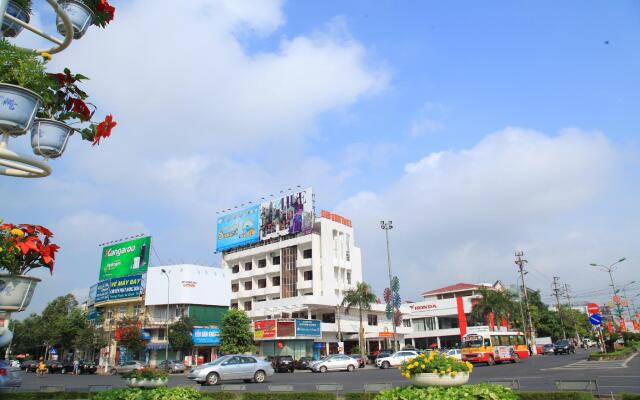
303	262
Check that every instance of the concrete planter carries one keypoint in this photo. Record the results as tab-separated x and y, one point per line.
10	28
147	383
18	107
80	15
49	137
16	292
440	379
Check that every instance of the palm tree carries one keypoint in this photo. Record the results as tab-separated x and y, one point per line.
498	302
361	297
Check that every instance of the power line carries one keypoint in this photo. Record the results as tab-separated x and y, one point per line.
556	291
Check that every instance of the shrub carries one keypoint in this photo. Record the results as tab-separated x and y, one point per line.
44	396
483	391
220	396
146	373
435	362
555	396
289	396
612	354
630	396
174	393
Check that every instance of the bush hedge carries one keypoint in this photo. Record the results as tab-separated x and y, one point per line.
555	396
630	396
44	396
289	396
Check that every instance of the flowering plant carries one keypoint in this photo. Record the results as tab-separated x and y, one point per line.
64	101
434	363
103	11
26	247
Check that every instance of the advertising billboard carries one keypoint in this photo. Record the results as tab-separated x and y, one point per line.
264	329
238	228
286	328
189	284
91	300
121	288
308	327
206	336
289	214
126	258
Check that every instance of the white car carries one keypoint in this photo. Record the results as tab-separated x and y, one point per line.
454	353
336	362
396	359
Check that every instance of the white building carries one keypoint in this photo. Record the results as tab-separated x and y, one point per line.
302	277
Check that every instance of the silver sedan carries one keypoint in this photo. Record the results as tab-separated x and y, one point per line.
172	366
232	367
336	362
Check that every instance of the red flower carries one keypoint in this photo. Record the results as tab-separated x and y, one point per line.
30	243
44	230
60	77
103	129
104	6
29	228
7	227
81	108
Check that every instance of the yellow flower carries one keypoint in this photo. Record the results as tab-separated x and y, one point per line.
424	366
410	366
17	232
46	56
454	373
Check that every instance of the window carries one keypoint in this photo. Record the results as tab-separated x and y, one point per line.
247	305
276	260
262	283
349	278
137	309
329	318
289	273
308	275
520	339
179	312
248	360
235	269
275	281
234	287
248	266
161	333
423	324
122	311
262	263
306	253
372	319
406	323
260	299
234	306
247	285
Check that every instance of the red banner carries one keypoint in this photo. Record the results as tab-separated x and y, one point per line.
264	329
462	318
623	325
609	327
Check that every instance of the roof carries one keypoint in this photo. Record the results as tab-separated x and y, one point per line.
455	288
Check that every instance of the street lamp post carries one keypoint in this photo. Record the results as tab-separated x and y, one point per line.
166	349
386	226
610	270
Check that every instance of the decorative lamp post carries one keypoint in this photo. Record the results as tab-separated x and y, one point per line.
393	284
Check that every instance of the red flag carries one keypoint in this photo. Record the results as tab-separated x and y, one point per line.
623	325
609	327
636	326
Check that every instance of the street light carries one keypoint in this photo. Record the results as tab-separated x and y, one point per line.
386	226
166	349
610	269
624	290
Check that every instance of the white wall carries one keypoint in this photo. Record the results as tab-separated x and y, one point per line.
189	284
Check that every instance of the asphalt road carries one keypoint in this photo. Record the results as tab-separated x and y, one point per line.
537	373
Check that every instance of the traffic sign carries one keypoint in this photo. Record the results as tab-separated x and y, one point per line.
595	319
53	351
593	308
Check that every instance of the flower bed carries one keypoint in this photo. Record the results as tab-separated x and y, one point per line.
436	369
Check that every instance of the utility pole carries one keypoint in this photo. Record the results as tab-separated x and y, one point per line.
386	225
520	262
575	323
556	291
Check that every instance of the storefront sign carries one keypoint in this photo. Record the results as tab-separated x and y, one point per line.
308	327
205	336
126	287
385	333
422	307
286	329
264	329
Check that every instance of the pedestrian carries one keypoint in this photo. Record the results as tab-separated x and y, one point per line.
42	367
76	367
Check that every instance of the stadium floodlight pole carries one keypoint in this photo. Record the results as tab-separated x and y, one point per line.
386	225
166	349
610	270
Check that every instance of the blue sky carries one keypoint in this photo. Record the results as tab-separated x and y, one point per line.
480	128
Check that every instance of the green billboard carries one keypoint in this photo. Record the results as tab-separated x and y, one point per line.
126	258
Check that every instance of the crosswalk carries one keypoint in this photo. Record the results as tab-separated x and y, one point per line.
588	365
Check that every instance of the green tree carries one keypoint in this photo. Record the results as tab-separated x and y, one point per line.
29	336
63	321
90	339
180	335
236	333
500	303
130	334
361	297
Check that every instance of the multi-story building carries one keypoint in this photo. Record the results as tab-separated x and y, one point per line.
304	277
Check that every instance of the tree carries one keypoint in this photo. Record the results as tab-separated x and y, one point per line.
129	334
500	303
90	339
180	334
236	333
29	336
361	297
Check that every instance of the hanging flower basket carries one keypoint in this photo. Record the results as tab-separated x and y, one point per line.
49	137
18	107
16	292
80	15
430	379
10	28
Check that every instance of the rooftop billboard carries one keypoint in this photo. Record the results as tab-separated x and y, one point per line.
188	284
126	258
238	228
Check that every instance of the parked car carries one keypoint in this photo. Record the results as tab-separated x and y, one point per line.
29	365
563	347
395	359
455	353
336	362
232	367
587	342
85	367
284	364
302	363
9	376
547	348
384	353
53	366
358	358
172	366
128	366
271	360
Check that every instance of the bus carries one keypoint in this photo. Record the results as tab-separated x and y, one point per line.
492	347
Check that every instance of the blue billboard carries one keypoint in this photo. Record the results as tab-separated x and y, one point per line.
308	327
125	287
238	228
206	336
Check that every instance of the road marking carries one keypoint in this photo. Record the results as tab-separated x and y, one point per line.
586	365
629	359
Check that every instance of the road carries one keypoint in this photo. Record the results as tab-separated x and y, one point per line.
537	373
